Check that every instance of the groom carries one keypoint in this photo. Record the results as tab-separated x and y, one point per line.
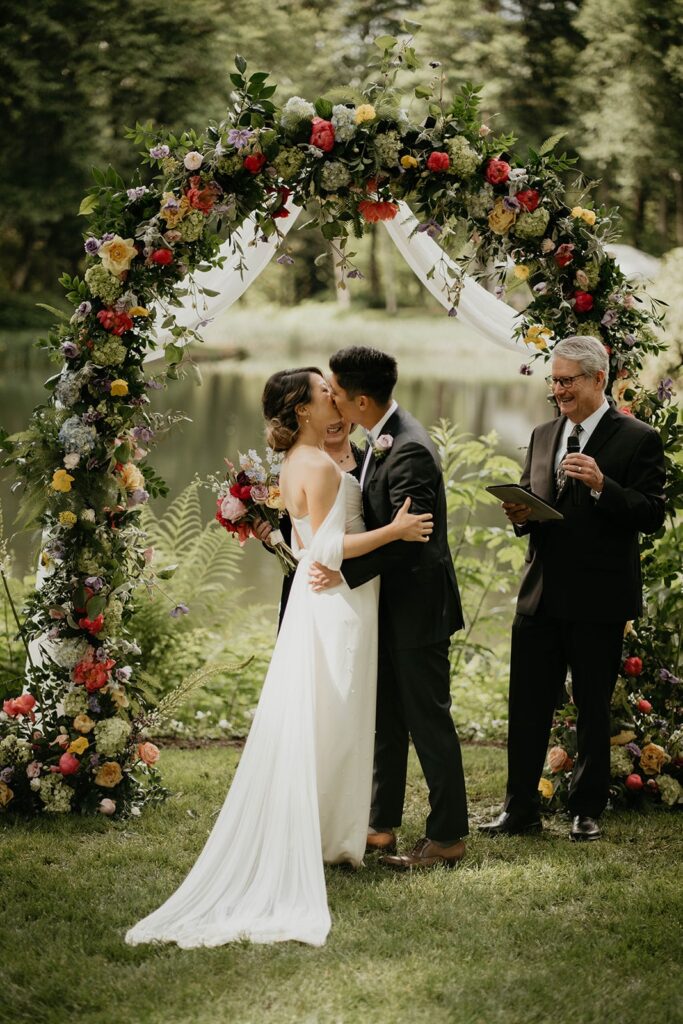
419	609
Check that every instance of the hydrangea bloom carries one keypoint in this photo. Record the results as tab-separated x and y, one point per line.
76	437
479	203
334	175
55	794
288	163
111	736
108	352
532	225
387	145
464	159
294	111
102	284
14	750
343	122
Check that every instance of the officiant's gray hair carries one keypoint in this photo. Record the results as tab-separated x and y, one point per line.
590	353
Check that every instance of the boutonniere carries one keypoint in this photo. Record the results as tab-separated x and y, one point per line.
382	446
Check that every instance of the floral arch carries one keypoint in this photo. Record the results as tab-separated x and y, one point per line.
457	202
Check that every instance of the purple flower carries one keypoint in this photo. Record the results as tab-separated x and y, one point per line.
69	350
525	370
512	203
431	227
634	750
6	774
124	674
180	609
100	654
355	274
668	677
94	583
94	758
610	318
159	152
138	497
136	193
107	236
453	311
284	260
94	705
630	340
143	434
172	203
91	417
154	385
84	310
239	137
92	245
499	291
665	389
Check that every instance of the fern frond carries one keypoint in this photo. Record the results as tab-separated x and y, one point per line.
177	697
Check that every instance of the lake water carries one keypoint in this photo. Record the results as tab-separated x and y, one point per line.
225	415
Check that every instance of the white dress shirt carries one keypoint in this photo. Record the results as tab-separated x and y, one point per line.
372	436
587	427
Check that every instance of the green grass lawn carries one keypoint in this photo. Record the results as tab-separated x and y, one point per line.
527	930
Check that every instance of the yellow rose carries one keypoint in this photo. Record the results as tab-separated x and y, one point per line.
138	311
78	746
108	774
117	253
83	723
6	794
174	213
61	480
653	758
119	698
500	219
118	388
365	112
622	738
580	213
274	500
130	476
521	271
539	336
545	788
67	519
408	162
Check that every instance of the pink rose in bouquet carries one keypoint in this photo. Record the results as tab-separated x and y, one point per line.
232	509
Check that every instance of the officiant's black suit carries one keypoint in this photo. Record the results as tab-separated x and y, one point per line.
581	584
419	610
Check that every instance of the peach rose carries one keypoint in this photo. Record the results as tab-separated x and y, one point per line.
83	723
148	753
558	760
6	794
109	774
500	219
653	758
130	477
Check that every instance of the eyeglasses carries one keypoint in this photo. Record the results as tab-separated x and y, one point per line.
564	382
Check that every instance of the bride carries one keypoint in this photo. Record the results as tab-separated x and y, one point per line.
301	793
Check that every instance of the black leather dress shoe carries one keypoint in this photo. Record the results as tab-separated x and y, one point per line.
584	828
508	825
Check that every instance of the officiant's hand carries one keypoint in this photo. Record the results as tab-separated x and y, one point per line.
517	514
322	578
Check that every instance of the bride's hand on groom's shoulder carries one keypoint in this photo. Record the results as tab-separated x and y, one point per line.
322	578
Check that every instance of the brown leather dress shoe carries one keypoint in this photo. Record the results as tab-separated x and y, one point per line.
381	842
427	854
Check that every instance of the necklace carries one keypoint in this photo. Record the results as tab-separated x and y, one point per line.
344	458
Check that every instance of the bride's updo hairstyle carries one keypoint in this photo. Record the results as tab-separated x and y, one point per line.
283	392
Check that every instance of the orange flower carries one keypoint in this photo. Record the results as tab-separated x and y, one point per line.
372	212
148	753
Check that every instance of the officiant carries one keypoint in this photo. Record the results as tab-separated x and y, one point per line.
581	583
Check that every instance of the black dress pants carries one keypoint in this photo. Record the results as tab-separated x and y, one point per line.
414	700
542	649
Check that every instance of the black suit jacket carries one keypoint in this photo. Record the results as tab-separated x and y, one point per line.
419	601
587	566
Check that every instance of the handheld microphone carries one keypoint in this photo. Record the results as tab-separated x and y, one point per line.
573	448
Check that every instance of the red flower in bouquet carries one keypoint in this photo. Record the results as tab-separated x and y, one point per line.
438	162
564	254
68	764
583	301
115	323
634	783
92	626
199	198
255	162
241	491
372	211
644	707
497	172
23	705
528	198
633	666
162	257
93	674
281	210
322	134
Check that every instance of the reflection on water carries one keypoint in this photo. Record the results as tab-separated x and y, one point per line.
226	417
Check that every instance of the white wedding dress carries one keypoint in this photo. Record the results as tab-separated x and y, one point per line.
301	792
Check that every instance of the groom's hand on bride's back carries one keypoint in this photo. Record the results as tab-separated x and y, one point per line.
322	578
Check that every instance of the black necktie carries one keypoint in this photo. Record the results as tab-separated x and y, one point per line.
560	475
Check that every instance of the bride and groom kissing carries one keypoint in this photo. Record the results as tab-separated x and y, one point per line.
360	666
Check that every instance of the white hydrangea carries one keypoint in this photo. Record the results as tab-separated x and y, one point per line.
334	175
111	736
14	750
75	702
295	110
55	795
75	436
67	653
343	122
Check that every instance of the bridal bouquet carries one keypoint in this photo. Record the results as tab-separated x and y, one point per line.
251	492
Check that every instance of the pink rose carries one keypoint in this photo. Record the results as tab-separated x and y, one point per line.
148	752
322	134
384	442
260	492
437	162
107	806
33	769
232	508
23	705
68	764
497	172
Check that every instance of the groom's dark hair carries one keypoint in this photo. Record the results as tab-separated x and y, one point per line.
365	371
